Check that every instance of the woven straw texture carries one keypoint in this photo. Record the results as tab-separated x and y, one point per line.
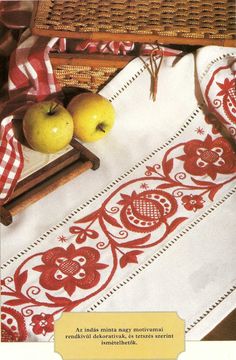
85	77
209	19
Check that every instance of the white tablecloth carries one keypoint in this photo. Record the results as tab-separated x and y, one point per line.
192	271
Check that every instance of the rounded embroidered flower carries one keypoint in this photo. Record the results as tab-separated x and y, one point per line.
209	157
70	268
192	202
42	323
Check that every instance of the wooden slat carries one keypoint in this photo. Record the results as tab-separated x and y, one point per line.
98	60
147	38
78	152
45	172
177	22
21	202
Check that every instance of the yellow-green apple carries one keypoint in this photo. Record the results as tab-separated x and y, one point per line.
48	127
93	116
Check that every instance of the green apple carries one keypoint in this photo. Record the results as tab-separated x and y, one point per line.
48	127
93	116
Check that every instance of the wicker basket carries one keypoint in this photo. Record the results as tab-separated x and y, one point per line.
84	77
193	22
89	72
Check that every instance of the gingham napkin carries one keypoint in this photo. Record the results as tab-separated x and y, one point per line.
152	229
30	79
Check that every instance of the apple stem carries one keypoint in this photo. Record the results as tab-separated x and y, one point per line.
100	127
52	109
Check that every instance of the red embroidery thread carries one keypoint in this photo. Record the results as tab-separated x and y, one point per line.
126	213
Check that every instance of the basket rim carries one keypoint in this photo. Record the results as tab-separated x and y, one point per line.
182	37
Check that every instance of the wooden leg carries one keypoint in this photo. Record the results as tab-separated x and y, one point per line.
5	216
85	154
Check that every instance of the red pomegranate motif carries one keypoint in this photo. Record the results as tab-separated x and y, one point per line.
146	211
12	325
228	92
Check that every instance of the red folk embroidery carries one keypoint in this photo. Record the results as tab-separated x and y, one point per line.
228	94
193	202
146	211
83	234
12	325
70	268
137	215
208	157
220	95
42	324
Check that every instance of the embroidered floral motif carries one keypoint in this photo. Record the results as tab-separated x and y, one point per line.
192	202
227	87
208	157
70	268
144	186
147	210
62	239
42	324
228	91
83	234
145	204
220	94
12	325
199	130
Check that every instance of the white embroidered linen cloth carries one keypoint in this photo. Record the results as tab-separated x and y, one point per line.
152	229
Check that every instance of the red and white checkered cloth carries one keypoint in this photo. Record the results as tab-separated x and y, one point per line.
104	47
31	79
116	48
